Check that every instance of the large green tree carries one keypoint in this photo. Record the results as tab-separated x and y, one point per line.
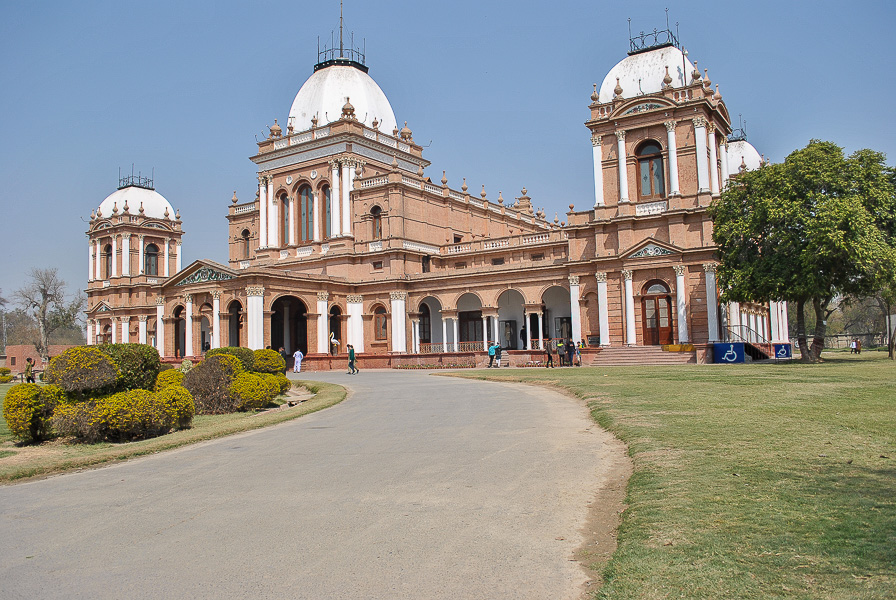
817	226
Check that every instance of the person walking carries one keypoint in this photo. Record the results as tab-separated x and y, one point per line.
498	351
570	352
548	354
852	346
282	352
561	352
491	354
29	370
297	361
351	360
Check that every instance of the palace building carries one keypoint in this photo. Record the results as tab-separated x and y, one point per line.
348	241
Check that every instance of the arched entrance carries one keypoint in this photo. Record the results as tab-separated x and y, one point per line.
656	314
557	314
205	327
510	319
180	332
235	323
469	316
431	325
289	325
336	330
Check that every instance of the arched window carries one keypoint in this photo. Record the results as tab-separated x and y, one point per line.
306	212
244	237
328	214
651	179
377	219
425	324
284	220
151	260
379	323
107	261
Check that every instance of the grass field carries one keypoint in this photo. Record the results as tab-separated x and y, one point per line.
751	481
19	462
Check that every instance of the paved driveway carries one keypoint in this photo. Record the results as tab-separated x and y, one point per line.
414	487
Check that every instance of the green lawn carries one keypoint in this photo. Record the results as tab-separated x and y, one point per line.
751	481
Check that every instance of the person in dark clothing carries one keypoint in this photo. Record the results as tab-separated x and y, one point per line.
491	354
285	358
29	370
570	352
351	360
498	351
549	354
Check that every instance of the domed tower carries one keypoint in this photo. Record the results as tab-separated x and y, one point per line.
134	246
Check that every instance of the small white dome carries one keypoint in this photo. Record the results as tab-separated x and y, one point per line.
324	94
154	204
742	152
643	73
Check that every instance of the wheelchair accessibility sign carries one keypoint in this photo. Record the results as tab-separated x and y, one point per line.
783	351
728	353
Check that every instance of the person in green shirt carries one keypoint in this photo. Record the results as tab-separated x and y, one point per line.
29	370
351	360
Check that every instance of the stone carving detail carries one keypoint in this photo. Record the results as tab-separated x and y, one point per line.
643	108
398	295
573	280
601	277
699	122
595	140
620	135
710	267
204	274
160	301
216	295
142	318
354	298
323	296
627	274
679	269
255	290
188	298
651	250
670	125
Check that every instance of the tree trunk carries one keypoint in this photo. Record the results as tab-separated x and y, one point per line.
821	327
801	331
891	331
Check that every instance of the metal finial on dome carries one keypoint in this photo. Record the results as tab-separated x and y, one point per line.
618	89
115	208
718	95
166	212
572	207
667	79
126	209
500	198
177	215
375	124
463	188
743	164
276	131
482	193
348	111
405	132
556	219
140	210
695	74
99	212
314	120
92	215
594	95
289	127
706	82
395	131
444	178
234	199
524	191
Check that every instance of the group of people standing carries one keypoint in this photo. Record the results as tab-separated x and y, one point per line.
568	353
855	346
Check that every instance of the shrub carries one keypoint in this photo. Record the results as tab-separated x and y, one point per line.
5	370
246	356
268	361
185	366
273	384
209	383
166	367
83	369
179	402
5	378
168	378
249	391
129	415
138	364
285	383
28	408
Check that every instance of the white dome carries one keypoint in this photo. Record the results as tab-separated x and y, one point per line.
324	94
154	204
643	73
742	152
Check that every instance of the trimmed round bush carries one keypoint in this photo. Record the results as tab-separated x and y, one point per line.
138	365
273	384
168	378
28	409
130	415
5	378
166	367
5	370
249	391
83	369
268	361
246	356
179	403
209	383
230	363
285	383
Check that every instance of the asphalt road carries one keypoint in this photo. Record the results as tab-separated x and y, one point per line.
414	487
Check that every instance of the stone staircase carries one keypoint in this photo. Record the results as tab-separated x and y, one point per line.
638	355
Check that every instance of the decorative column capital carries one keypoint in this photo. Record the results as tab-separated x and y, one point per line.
620	134
711	128
323	296
670	125
216	295
255	290
699	122
126	236
595	140
113	319
188	298
334	164
627	274
573	280
398	295
710	267
601	277
125	318
354	298
142	318
141	236
679	270
160	301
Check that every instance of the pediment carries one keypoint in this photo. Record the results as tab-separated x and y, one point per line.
99	308
652	249
202	272
641	105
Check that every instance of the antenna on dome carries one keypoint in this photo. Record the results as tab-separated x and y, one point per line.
333	55
340	29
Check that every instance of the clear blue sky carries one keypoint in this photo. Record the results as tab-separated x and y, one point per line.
500	89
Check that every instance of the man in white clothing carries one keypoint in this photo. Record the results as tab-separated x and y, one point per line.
297	365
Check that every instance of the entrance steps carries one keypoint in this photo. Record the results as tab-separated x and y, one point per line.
638	355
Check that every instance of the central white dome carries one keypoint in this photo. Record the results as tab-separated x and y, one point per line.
643	73
153	203
324	94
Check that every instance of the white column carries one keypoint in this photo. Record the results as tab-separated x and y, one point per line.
495	328
540	336
99	259
630	337
216	319
323	340
597	156
335	200
273	216
734	320
623	171
603	316
114	256
141	329
713	161
90	262
255	317
178	265
355	306
160	326
99	330
681	304
126	255
347	168
528	326
485	333
416	335
575	308
114	330
399	321
287	338
455	323
262	211
445	347
723	152
292	221
674	186
702	161
125	330
188	334
316	218
140	259
784	325
90	339
712	302
167	243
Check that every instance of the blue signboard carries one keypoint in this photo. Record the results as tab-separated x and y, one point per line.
728	353
782	351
